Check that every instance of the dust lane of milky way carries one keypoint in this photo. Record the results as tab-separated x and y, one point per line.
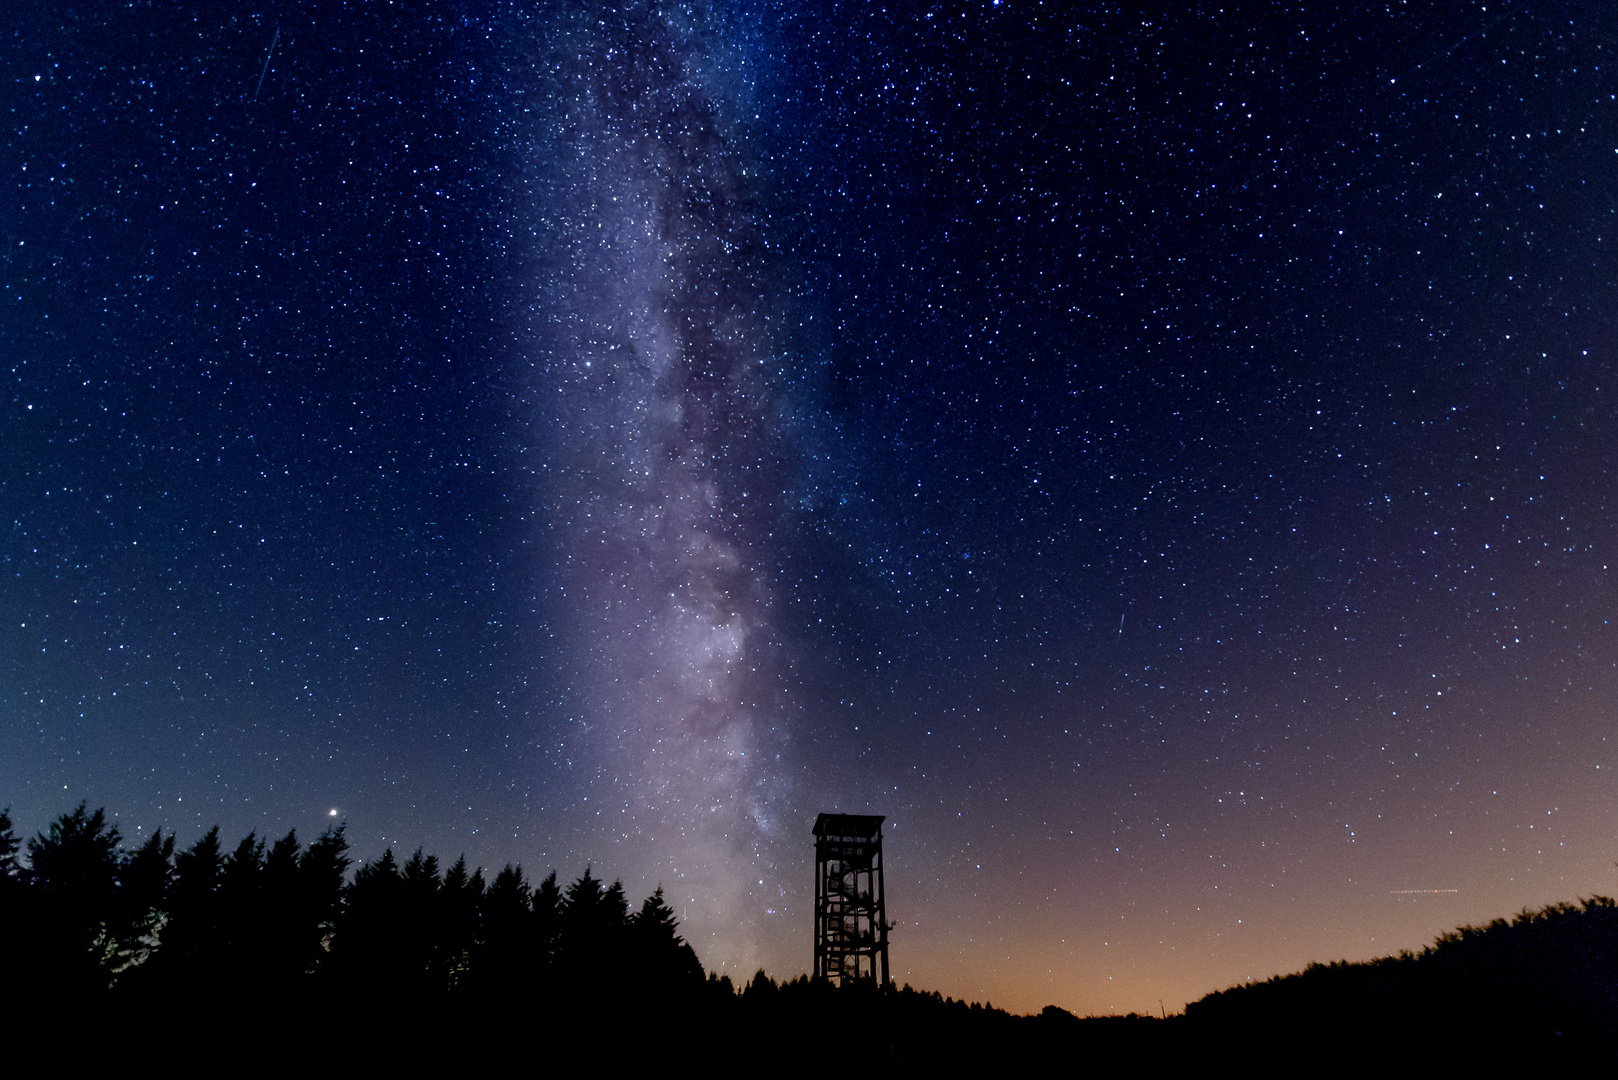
671	481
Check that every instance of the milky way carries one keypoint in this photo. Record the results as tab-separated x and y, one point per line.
669	460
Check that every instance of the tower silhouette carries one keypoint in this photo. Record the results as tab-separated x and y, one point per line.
851	928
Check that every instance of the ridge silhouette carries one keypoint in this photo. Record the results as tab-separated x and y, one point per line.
269	931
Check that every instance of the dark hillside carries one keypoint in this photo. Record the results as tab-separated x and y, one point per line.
1545	983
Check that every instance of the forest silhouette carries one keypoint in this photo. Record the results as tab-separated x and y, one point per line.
276	936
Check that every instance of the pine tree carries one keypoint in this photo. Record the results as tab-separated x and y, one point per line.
274	940
24	954
9	846
240	904
426	947
318	901
593	946
459	903
190	942
321	871
143	899
661	957
547	907
74	868
373	945
507	935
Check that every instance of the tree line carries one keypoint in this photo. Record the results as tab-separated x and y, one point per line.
268	919
253	932
1545	981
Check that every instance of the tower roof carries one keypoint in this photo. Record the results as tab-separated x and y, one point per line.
861	825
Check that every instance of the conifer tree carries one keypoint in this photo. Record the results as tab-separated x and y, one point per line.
661	956
190	942
507	934
321	871
240	908
582	909
365	943
24	952
460	900
73	868
9	846
277	946
425	948
143	898
547	907
595	921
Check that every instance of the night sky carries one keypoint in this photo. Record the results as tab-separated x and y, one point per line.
1163	461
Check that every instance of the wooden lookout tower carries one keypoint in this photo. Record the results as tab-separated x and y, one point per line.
851	927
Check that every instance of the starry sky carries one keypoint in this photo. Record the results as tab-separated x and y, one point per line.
1160	456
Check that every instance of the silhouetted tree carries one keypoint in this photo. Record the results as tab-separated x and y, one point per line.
593	944
274	942
547	907
321	871
143	898
197	873
427	945
9	846
591	913
13	878
73	868
191	943
243	866
460	902
366	952
506	926
615	906
303	895
760	990
660	956
240	910
23	951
